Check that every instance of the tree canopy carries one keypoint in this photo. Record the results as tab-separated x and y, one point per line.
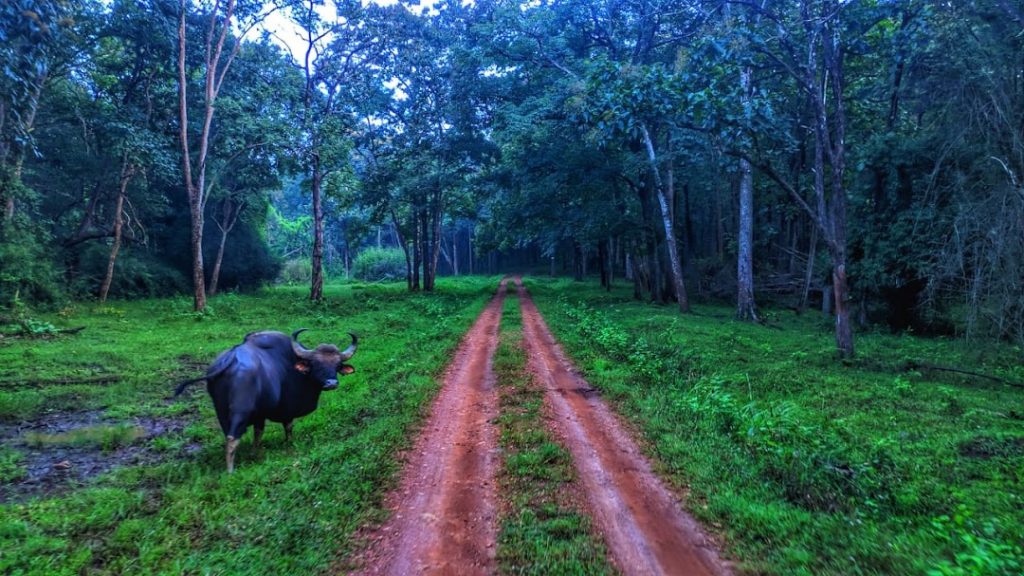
864	157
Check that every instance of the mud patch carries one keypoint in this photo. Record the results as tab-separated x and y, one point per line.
65	449
986	447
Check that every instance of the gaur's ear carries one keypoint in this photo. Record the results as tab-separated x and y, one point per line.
302	366
346	369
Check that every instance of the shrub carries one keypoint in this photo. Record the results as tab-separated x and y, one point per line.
377	264
137	274
297	271
26	270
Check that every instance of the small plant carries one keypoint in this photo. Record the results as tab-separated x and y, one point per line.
980	551
21	323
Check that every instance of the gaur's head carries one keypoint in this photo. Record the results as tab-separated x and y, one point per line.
324	363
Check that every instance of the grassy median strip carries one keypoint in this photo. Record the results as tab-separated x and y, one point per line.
542	531
290	508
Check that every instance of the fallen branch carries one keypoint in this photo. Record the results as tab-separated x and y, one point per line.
28	333
915	365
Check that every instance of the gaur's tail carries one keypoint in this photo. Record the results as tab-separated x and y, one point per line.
182	385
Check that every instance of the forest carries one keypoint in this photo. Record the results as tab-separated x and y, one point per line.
781	240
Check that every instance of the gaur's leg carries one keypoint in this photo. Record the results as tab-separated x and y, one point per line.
257	432
288	431
229	452
239	423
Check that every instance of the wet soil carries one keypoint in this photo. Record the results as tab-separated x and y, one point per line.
53	464
443	515
641	520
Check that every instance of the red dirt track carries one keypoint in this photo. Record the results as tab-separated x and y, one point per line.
643	525
444	514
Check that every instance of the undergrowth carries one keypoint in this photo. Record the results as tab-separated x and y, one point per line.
806	464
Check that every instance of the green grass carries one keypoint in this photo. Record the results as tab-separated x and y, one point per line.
104	436
806	464
289	508
542	531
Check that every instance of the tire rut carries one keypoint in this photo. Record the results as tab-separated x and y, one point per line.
444	513
643	525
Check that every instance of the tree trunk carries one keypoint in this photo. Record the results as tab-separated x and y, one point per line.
417	251
809	272
196	243
405	250
215	275
316	290
455	251
666	219
603	264
837	158
610	257
230	215
436	217
216	71
719	226
127	171
577	261
745	307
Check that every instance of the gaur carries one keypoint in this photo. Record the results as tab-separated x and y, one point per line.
269	376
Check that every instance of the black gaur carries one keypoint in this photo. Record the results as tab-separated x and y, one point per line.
270	376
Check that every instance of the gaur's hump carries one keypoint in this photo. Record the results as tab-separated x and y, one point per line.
265	338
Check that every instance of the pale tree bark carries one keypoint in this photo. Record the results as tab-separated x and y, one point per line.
316	289
831	212
837	158
437	218
127	173
666	220
216	68
230	213
746	309
405	249
809	271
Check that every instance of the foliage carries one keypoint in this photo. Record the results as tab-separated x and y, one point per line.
376	264
296	271
26	271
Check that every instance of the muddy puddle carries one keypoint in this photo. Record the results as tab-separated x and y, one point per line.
64	450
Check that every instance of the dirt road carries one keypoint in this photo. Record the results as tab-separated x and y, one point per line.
443	515
642	523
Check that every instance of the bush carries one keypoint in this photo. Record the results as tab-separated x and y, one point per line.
137	274
296	271
379	264
26	270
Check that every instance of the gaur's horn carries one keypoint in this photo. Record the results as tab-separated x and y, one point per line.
351	350
298	348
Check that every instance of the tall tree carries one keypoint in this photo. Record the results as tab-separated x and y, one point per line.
220	47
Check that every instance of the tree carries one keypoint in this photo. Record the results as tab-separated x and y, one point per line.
219	50
337	48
